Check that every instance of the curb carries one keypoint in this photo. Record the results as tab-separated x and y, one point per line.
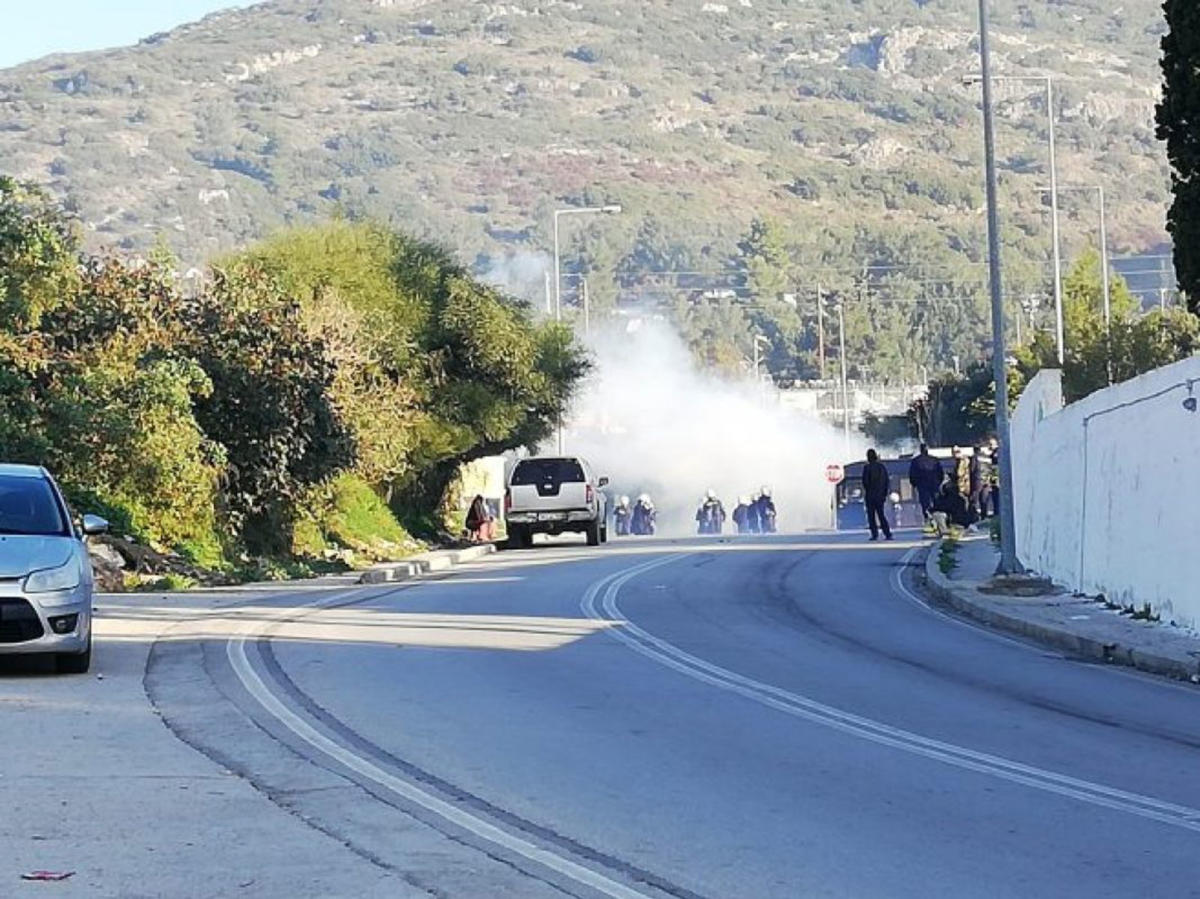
441	560
962	599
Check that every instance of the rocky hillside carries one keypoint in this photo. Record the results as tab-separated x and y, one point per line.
471	120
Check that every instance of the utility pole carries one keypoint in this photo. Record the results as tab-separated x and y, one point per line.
611	209
1048	80
821	330
587	312
845	383
1008	537
1104	261
1060	334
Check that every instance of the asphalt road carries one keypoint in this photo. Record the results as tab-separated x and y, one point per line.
739	718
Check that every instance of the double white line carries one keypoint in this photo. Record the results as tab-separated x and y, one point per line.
607	590
456	815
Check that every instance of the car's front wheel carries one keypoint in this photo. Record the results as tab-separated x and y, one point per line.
74	662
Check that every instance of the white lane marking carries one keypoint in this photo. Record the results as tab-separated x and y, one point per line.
800	706
262	694
983	630
979	629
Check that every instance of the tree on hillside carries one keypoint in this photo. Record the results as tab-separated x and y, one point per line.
957	410
39	252
1179	126
764	258
961	408
1095	356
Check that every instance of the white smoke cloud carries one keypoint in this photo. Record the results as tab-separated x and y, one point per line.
521	274
652	422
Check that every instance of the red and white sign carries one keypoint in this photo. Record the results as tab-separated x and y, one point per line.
834	473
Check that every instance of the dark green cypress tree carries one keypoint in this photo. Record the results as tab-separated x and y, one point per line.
1179	126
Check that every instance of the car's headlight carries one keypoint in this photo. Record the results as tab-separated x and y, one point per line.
54	580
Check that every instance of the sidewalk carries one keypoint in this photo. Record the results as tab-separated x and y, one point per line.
94	783
438	560
1078	624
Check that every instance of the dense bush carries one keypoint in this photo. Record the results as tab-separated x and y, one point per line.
307	383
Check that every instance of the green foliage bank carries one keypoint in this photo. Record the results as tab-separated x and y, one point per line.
1179	126
319	388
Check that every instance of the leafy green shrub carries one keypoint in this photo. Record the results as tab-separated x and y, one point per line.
269	409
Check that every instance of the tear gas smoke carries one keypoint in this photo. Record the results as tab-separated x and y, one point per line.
653	423
521	274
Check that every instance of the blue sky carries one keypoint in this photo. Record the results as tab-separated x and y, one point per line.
33	28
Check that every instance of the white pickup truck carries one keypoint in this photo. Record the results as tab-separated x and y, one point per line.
555	495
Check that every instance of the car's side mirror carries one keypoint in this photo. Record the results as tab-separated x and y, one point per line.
93	525
603	482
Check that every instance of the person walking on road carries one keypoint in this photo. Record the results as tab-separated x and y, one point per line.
877	484
926	475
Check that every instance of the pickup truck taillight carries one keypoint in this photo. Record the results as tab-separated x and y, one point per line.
590	494
507	501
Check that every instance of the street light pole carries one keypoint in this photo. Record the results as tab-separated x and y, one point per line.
1056	248
558	213
845	382
557	290
821	331
1104	262
587	312
1008	537
571	210
1059	328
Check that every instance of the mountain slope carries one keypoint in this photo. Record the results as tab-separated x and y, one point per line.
472	120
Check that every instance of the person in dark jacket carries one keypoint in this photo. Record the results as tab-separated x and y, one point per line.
644	516
480	523
925	473
975	474
741	515
951	507
993	478
877	484
710	517
753	521
766	512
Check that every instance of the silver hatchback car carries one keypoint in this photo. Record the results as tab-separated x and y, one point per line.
45	572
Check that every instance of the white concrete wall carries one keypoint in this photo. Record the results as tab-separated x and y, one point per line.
1107	489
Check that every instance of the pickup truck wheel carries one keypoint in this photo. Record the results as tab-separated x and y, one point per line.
519	537
593	534
604	534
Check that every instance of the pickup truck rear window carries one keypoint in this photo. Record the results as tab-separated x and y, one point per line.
547	471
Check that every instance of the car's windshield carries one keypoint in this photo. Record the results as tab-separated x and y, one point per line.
29	506
548	471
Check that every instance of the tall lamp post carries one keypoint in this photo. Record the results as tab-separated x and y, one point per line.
1008	537
758	382
1104	271
1104	264
1048	80
559	213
